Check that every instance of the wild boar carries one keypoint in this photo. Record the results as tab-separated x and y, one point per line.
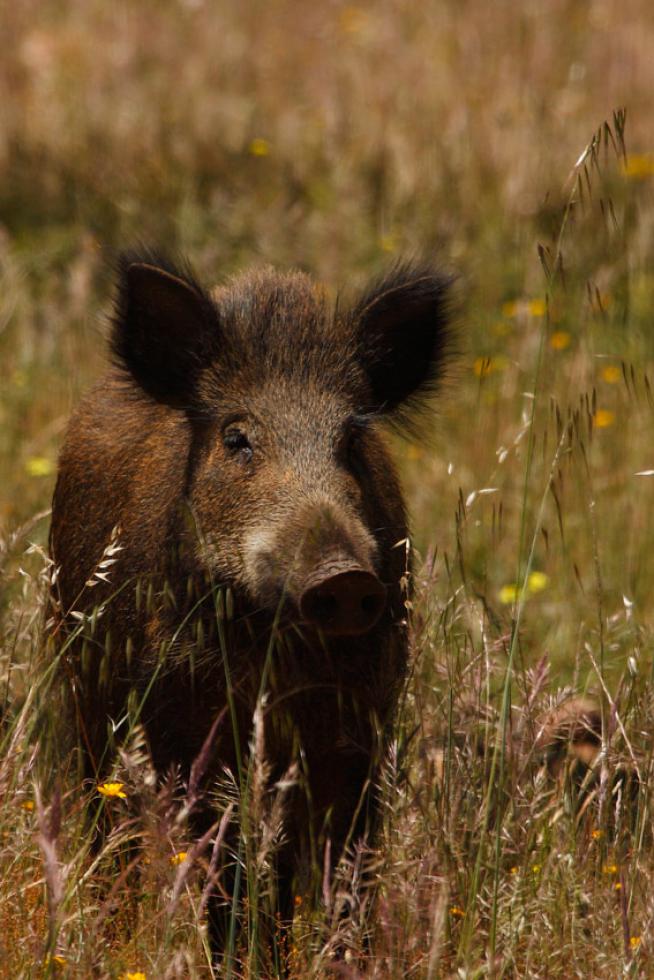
228	524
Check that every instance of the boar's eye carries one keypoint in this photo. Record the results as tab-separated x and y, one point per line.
237	444
350	442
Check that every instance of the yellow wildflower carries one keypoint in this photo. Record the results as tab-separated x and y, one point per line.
508	594
179	857
603	418
611	374
514	870
560	339
536	868
610	869
457	912
39	466
638	165
57	961
537	307
27	805
596	834
516	307
137	975
537	581
617	886
112	789
259	148
634	942
388	242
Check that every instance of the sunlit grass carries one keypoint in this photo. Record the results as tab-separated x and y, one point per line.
336	138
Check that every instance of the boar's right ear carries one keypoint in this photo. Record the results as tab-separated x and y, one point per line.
164	328
404	338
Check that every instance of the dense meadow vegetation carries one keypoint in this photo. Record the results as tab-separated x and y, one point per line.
336	138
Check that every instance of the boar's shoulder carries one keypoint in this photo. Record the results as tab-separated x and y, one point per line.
124	462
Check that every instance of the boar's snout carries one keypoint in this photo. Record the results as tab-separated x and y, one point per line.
342	600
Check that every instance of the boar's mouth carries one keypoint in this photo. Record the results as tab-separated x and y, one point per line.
342	600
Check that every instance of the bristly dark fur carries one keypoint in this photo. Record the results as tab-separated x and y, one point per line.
398	334
407	340
168	377
176	265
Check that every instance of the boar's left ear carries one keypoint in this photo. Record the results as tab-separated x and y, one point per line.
404	336
164	327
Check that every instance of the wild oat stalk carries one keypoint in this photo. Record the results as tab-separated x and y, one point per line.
588	158
49	827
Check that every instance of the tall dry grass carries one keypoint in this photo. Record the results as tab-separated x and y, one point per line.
335	137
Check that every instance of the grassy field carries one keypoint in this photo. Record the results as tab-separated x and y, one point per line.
335	138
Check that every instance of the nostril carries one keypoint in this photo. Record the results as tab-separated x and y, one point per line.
372	604
320	607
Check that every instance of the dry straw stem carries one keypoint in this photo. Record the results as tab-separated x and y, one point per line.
49	828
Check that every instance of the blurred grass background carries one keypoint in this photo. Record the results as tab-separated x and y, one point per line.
336	137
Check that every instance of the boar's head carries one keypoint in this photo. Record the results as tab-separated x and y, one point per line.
292	492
